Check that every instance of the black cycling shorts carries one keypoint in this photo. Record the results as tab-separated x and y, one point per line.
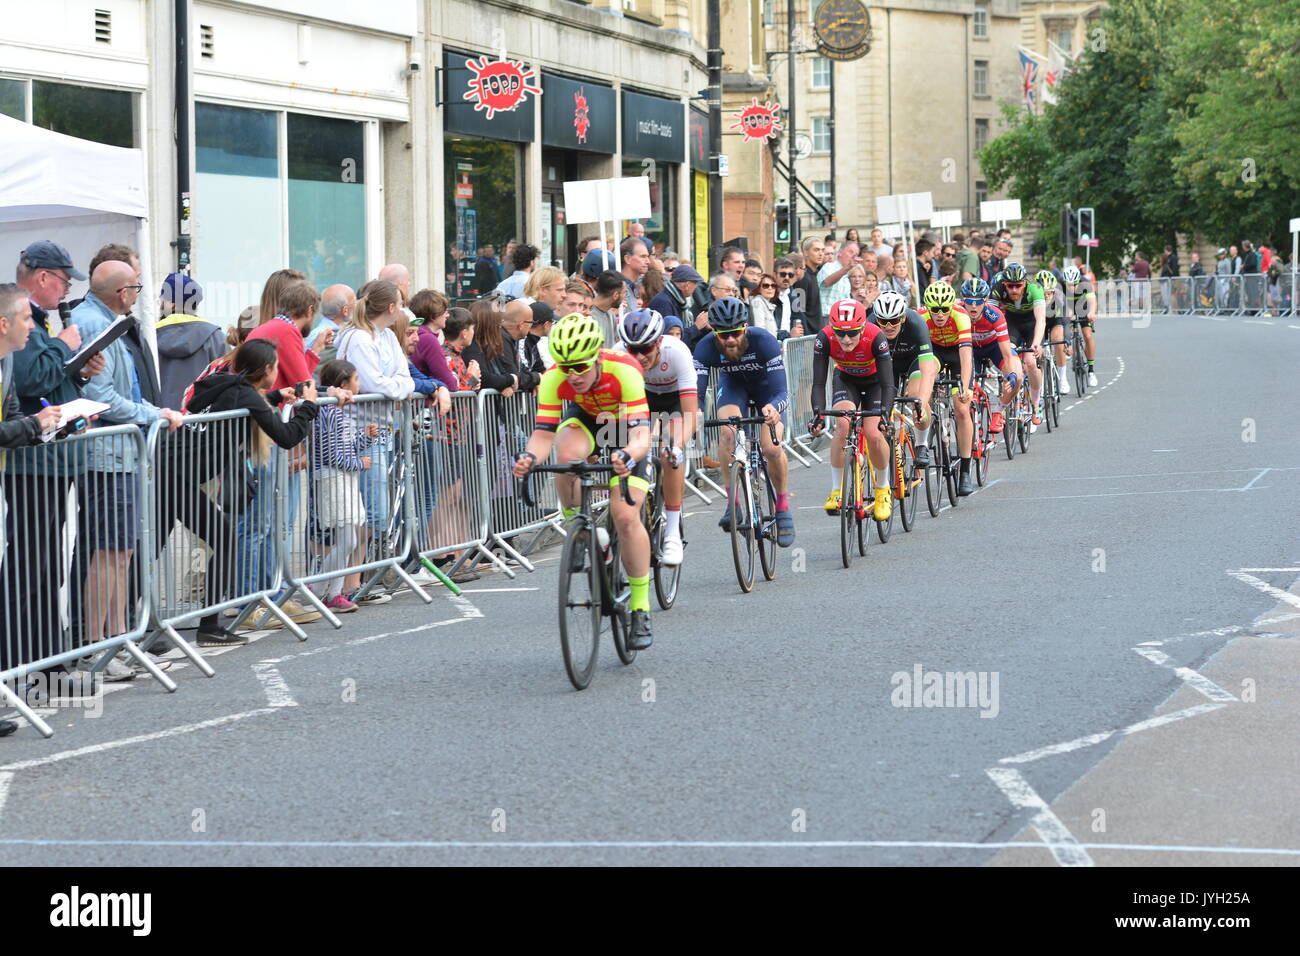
664	403
949	357
864	391
1022	330
607	438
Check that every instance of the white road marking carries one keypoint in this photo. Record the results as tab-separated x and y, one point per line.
1162	451
1257	322
126	741
1293	326
494	590
1216	318
1123	494
1193	679
1251	483
650	845
5	779
277	691
1079	743
1053	832
1153	474
1264	587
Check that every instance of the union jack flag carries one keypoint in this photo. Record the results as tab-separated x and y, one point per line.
1029	79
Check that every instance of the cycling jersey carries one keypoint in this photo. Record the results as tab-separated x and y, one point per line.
618	394
675	370
953	333
859	360
1081	303
864	374
756	377
990	328
1032	296
911	346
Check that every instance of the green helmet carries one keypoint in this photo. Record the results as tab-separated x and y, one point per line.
575	338
1047	279
939	295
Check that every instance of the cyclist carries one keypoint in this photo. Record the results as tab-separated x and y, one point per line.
752	373
1025	309
949	328
992	343
912	358
593	399
1046	279
1081	305
864	378
670	386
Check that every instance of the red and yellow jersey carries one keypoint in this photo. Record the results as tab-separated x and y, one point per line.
617	395
952	333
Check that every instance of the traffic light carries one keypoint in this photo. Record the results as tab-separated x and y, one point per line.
781	232
1087	224
1068	233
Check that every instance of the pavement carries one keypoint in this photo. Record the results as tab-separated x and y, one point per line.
1095	592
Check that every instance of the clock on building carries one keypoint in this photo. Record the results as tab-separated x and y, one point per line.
843	29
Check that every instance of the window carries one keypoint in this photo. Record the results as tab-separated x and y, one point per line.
981	133
102	116
659	227
825	193
1064	38
13	99
981	22
981	77
981	191
821	134
821	73
327	199
481	178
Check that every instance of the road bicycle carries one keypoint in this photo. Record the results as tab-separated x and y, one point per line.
593	586
752	506
667	577
1019	422
903	458
945	456
857	488
981	410
1079	356
1051	394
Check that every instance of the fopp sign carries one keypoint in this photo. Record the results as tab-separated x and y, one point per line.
758	121
499	86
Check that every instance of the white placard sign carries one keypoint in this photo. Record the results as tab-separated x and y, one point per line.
904	207
607	200
1000	210
945	218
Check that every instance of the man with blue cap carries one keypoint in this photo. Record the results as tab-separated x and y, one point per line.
187	343
677	293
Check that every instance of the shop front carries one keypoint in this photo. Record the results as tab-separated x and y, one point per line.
483	163
579	137
699	155
654	145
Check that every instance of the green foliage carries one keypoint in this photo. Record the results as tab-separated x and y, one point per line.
1159	141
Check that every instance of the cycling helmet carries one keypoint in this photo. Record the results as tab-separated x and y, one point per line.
975	288
1047	279
641	327
575	338
939	295
847	315
1014	272
1072	274
726	314
890	306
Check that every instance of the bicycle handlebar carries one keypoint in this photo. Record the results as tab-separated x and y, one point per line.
734	420
581	468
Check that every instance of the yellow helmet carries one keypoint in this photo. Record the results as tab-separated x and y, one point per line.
939	295
575	338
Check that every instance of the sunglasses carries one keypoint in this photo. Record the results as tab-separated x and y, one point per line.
940	309
575	368
973	302
849	334
786	275
890	322
1014	285
643	349
728	334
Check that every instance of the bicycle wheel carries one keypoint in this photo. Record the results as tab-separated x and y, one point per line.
883	528
1025	421
1049	396
667	576
951	456
1010	422
905	493
766	522
1080	363
983	423
848	506
933	471
580	599
617	593
743	540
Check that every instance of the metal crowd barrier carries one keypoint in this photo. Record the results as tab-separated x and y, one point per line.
76	524
797	354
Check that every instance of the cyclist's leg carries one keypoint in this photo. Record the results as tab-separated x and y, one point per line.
727	439
1057	335
841	401
778	468
574	441
634	549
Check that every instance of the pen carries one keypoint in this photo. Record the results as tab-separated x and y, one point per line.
44	403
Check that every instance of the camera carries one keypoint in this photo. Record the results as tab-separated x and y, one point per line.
298	389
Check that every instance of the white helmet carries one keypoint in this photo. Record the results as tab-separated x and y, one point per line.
889	306
1071	275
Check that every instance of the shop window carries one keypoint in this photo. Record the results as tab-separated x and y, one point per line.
102	116
483	184
13	99
327	199
659	227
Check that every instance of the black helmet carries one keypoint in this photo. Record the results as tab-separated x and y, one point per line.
727	314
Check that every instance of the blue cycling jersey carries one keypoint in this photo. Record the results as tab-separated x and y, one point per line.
759	372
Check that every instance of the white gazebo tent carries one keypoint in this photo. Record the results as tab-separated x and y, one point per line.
80	194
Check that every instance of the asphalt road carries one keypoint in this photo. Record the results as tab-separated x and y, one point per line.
760	728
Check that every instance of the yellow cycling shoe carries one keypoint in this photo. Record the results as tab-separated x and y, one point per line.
883	508
833	502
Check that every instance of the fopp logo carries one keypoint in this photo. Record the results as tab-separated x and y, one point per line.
499	86
581	119
758	122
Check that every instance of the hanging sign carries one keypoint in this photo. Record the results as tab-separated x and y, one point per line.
499	86
758	122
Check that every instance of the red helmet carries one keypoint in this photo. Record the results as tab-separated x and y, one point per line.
847	315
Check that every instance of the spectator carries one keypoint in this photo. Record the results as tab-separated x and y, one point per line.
586	245
673	326
884	267
968	263
948	270
505	268
732	262
764	303
677	292
998	261
721	286
537	357
373	348
634	261
545	284
593	264
851	235
1250	259
830	247
291	307
1235	260
864	286
1265	258
452	520
400	276
141	354
338	455
899	281
487	272
1169	267
671	261
636	230
249	385
336	304
427	356
187	344
577	298
787	313
487	347
524	260
879	246
651	285
1141	268
833	278
516	323
925	252
607	305
109	496
1196	269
